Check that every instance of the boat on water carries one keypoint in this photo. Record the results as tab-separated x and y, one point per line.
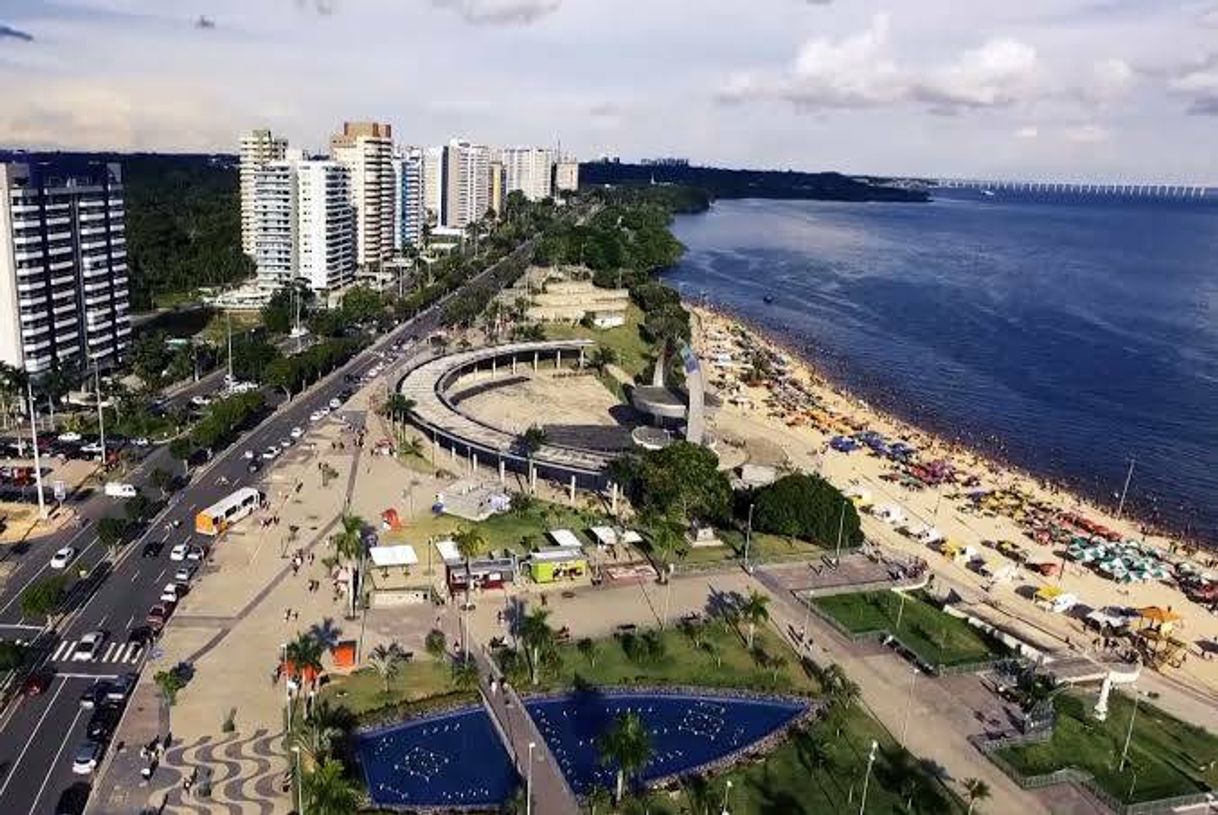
988	193
769	298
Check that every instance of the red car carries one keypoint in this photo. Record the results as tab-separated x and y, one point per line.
36	683
157	615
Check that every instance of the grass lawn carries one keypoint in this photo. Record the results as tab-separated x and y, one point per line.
364	691
216	331
633	352
1167	757
519	532
934	635
685	663
819	771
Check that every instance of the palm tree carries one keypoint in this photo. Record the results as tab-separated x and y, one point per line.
753	610
315	737
327	790
349	546
598	798
712	651
538	638
587	648
626	744
465	674
397	408
303	655
977	790
386	660
412	446
470	544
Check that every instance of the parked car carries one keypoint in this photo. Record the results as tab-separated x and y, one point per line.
285	442
249	454
158	615
194	553
89	646
296	433
253	467
335	403
93	694
270	452
140	441
179	552
102	723
63	557
87	757
184	573
117	690
37	683
140	635
71	436
73	800
172	593
200	401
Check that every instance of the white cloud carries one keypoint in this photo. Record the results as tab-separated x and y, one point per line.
1001	72
500	12
1110	78
860	70
1027	132
1088	134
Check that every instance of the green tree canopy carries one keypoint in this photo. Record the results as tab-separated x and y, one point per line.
681	481
43	597
806	507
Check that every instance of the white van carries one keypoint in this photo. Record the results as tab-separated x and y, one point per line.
116	490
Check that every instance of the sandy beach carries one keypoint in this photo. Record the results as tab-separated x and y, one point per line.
796	409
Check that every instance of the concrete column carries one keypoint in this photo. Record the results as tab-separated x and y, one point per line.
494	367
581	357
532	478
453	450
534	362
513	364
613	497
572	493
558	361
473	463
502	472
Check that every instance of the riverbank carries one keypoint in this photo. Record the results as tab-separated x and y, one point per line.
981	503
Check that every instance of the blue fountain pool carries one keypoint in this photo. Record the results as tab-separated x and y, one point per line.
687	731
448	760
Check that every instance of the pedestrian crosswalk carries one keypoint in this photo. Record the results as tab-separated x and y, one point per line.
115	652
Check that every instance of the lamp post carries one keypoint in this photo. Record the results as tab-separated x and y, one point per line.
726	795
1129	733
867	775
42	506
841	525
101	413
748	537
528	788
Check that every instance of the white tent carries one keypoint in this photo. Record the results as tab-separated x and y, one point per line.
401	555
448	551
565	538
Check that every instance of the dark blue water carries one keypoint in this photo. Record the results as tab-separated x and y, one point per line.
450	760
687	732
1064	335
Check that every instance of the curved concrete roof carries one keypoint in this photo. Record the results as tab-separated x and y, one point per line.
427	383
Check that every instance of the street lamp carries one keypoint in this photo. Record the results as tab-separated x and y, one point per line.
748	537
866	776
1129	733
528	794
726	794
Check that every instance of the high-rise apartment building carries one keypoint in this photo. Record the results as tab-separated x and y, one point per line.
325	225
467	189
566	175
528	169
366	149
408	211
274	223
258	148
63	265
433	185
497	190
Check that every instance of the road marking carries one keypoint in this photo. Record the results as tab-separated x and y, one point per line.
55	761
60	652
159	576
135	575
102	621
12	773
109	651
131	621
85	676
38	574
18	624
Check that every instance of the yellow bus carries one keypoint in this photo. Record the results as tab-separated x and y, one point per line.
224	513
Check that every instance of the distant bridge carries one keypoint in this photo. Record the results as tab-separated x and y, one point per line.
1071	188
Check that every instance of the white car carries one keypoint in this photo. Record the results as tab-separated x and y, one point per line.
172	593
140	441
184	574
200	401
91	447
316	416
63	557
249	454
296	433
335	403
270	452
285	442
71	435
179	552
89	646
194	553
87	757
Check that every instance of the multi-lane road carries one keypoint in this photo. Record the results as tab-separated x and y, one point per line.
39	735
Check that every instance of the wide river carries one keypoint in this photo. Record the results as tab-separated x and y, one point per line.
1068	336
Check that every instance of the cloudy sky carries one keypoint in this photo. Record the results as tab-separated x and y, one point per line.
1062	89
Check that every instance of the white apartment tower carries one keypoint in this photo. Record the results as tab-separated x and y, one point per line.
325	225
274	223
467	183
566	175
409	213
258	148
63	265
433	185
527	170
366	149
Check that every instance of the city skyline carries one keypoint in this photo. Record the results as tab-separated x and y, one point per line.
1084	90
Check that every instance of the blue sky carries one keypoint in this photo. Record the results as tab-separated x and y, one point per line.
1063	89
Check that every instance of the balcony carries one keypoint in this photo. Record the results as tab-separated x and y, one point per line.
63	280
65	308
60	265
25	209
64	339
95	286
68	293
85	246
97	299
28	254
62	249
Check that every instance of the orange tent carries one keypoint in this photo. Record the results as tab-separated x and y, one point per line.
1159	616
344	654
391	518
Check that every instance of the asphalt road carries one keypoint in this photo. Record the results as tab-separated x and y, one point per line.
39	735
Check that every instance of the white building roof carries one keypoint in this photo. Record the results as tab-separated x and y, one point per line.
560	555
448	551
401	555
604	535
565	538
